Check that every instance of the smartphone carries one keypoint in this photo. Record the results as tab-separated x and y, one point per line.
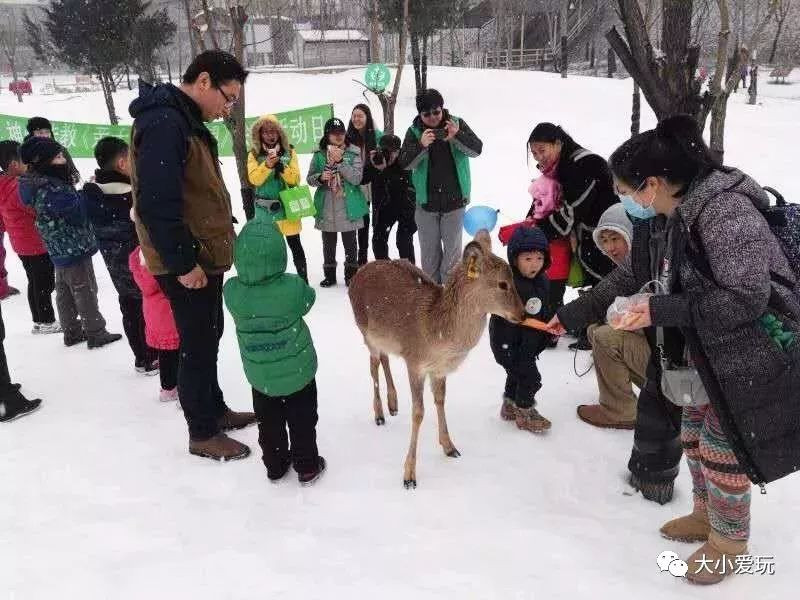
272	152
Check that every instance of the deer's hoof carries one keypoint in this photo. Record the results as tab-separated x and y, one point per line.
410	484
453	453
380	421
393	412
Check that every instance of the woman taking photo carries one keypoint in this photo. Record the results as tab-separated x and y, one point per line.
722	282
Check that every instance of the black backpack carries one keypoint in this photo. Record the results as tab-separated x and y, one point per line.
784	221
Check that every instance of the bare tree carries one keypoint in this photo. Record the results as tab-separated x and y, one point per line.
784	8
668	77
11	38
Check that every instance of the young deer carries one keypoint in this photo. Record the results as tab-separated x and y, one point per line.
401	311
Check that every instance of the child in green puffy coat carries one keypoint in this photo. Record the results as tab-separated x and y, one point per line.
268	305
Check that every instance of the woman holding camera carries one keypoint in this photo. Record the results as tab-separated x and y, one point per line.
336	171
361	132
437	149
272	166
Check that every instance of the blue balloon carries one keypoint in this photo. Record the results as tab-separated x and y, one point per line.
479	217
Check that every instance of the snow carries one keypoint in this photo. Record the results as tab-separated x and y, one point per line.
102	500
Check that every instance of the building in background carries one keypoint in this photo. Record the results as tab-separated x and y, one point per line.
317	48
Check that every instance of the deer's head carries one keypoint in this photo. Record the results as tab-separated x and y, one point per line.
487	280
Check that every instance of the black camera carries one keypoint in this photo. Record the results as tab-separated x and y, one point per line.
440	133
378	158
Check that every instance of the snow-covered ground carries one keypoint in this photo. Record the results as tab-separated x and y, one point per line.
101	499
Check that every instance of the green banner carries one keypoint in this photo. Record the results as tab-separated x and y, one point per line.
304	127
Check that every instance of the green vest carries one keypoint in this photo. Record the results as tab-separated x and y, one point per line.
268	306
419	176
355	202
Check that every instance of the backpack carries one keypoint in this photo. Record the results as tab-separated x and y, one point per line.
784	222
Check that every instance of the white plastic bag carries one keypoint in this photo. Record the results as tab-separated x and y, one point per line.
618	315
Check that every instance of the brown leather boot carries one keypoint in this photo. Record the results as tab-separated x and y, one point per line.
529	419
714	560
693	527
597	415
508	412
231	421
220	447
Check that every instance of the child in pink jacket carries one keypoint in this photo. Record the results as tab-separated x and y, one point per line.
160	330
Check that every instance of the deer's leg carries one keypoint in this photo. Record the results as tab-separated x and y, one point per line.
377	404
418	412
439	386
391	392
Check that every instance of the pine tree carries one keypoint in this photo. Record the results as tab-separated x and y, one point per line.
150	33
90	35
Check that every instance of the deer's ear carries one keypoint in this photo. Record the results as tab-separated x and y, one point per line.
473	259
484	239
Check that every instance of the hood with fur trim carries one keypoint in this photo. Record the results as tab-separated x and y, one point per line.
255	133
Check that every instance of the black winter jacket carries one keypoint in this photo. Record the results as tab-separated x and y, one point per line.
108	204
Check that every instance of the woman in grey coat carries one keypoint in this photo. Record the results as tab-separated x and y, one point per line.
724	281
336	171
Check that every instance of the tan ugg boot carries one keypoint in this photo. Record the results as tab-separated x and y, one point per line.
529	419
693	527
714	560
508	412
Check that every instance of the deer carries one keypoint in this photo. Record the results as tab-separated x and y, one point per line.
401	311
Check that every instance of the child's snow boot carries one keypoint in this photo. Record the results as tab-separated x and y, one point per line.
275	474
529	419
715	560
310	477
693	527
104	338
508	411
349	271
168	395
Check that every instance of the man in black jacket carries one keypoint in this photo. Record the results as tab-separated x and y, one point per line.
184	222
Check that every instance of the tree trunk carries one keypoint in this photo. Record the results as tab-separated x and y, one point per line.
106	83
388	103
718	115
15	76
236	122
192	42
375	27
564	57
424	62
612	63
564	31
169	70
415	59
636	110
128	75
775	41
592	57
753	85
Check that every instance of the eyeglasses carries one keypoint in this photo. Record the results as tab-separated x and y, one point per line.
229	102
436	112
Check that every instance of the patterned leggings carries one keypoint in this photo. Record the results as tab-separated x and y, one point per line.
720	486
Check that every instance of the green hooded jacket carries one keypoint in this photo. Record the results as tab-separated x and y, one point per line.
268	306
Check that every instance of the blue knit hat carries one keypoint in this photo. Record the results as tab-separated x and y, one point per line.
528	239
37	151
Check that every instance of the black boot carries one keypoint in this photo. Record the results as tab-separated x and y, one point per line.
98	340
73	338
309	478
330	277
14	405
349	271
302	271
582	343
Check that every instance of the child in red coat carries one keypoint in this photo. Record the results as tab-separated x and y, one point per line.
160	330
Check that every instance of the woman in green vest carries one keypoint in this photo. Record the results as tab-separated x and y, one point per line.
336	171
437	149
362	132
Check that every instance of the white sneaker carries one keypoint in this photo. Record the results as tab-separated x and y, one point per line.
46	328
